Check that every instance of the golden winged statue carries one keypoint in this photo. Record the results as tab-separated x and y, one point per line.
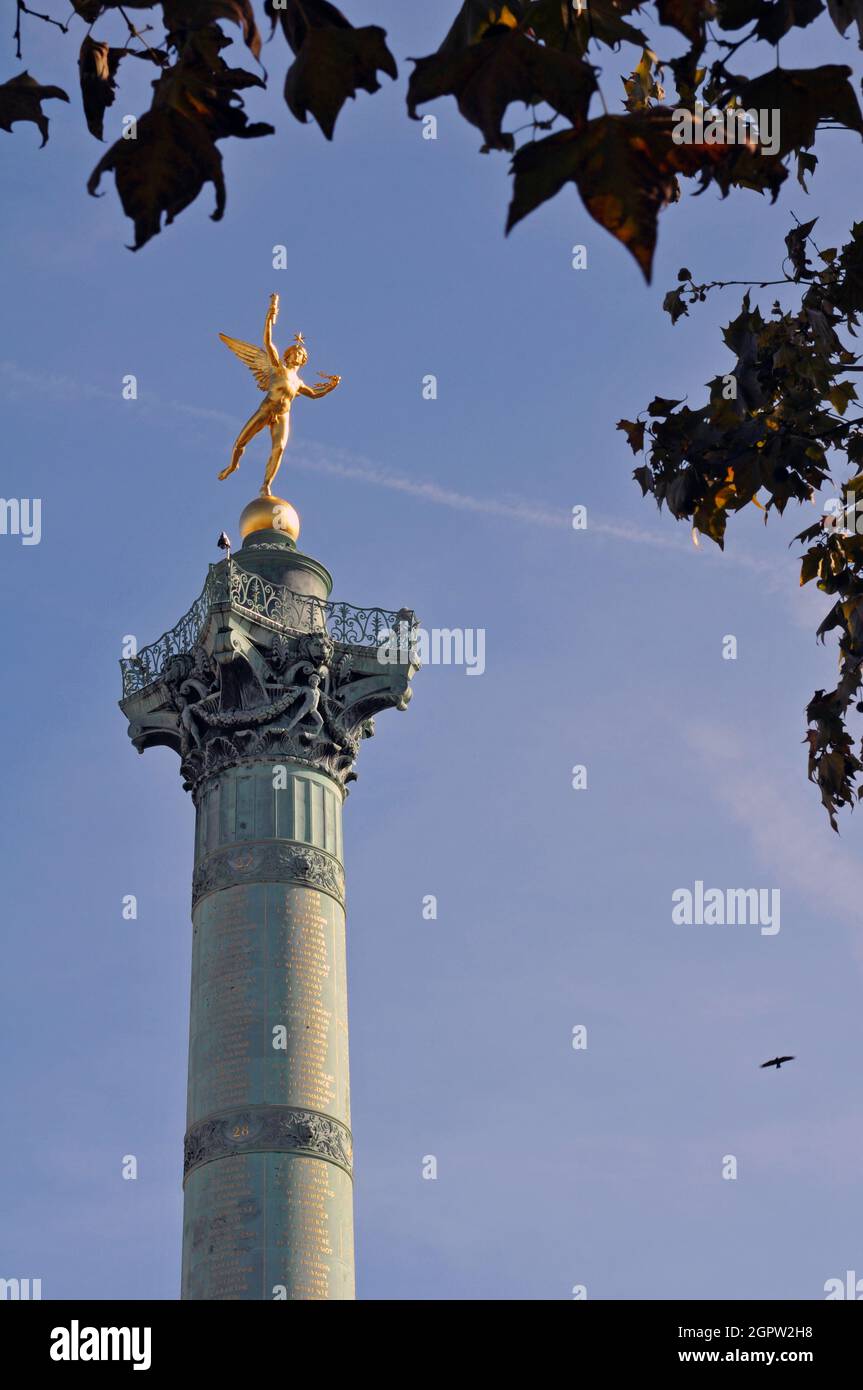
279	378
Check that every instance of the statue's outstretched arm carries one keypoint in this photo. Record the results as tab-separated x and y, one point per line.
315	392
272	315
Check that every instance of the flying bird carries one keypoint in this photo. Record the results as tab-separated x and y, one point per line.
777	1062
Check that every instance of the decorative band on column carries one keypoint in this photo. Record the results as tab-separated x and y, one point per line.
269	1129
275	861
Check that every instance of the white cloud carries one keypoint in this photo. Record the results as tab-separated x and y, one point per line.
791	836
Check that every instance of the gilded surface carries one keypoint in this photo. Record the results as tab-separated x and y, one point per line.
280	378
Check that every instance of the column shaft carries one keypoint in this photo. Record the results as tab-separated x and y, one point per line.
268	1188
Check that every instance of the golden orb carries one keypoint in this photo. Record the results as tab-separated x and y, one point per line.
270	514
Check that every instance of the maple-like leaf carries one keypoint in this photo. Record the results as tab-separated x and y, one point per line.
687	16
845	12
734	14
776	19
675	304
202	87
634	431
333	59
563	24
625	168
802	97
476	17
196	101
502	67
21	100
162	171
183	17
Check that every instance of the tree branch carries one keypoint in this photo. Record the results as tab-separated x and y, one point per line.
22	8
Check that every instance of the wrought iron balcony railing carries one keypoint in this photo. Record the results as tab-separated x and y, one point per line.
273	604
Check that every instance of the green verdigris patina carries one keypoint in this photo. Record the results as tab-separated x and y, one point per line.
266	689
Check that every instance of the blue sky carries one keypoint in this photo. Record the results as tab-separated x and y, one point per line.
556	1167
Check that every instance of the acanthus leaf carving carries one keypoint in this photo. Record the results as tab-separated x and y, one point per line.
247	688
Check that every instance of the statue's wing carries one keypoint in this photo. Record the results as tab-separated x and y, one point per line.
255	359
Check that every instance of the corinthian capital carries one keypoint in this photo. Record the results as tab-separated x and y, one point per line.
258	670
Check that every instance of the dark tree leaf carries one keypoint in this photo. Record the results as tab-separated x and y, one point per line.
796	243
843	12
604	22
162	171
334	60
625	168
91	10
745	168
675	304
770	426
182	17
662	405
558	23
202	87
841	395
803	97
172	154
644	478
688	74
21	100
806	164
476	17
775	19
682	494
688	16
333	66
734	14
503	67
810	565
848	295
97	67
634	431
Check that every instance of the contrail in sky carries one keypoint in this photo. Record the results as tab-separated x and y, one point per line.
341	464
